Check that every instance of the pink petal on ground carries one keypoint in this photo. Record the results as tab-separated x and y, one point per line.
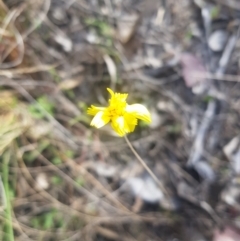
191	67
228	234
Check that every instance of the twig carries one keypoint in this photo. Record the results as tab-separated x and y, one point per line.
27	70
224	77
198	145
112	235
223	62
146	167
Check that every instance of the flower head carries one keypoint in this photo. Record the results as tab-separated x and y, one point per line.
123	117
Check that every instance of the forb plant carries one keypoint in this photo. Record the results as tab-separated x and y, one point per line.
123	119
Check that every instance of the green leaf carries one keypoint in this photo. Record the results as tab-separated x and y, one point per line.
56	180
43	102
49	221
35	222
55	75
56	160
31	156
80	181
215	11
207	98
174	129
103	27
69	153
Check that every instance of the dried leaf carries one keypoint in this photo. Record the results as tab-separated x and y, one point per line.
70	84
127	27
111	68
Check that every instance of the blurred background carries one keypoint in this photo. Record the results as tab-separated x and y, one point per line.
63	180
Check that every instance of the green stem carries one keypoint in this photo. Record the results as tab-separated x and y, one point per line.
8	213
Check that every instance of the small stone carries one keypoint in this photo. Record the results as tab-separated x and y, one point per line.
92	37
156	120
146	189
165	106
42	181
59	14
105	170
205	170
64	41
217	40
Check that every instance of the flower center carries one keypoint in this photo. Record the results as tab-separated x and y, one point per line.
116	109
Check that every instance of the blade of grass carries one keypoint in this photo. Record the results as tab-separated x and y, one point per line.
3	200
8	213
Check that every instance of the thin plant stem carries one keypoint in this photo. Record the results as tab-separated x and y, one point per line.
8	215
146	166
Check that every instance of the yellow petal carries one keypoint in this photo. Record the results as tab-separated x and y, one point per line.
117	96
121	97
110	91
139	111
93	110
120	126
131	121
100	119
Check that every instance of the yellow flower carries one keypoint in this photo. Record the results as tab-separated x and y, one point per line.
123	117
